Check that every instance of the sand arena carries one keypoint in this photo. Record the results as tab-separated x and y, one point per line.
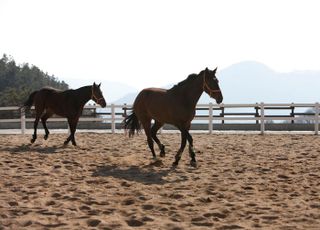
110	182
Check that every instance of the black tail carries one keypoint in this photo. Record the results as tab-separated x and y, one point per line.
27	105
132	123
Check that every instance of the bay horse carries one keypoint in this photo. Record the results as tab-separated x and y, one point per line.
68	103
175	106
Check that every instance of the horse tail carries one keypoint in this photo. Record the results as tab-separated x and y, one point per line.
132	123
28	103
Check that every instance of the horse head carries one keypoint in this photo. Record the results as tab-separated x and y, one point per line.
96	95
211	84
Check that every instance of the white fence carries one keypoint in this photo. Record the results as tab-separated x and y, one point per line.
210	114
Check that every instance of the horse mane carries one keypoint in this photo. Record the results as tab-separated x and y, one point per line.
49	87
60	90
190	78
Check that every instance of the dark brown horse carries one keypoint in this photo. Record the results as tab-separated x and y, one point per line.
175	106
69	104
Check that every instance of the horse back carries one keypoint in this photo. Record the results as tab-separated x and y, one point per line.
57	101
50	94
151	96
162	105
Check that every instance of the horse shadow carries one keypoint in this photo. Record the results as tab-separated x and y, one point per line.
26	148
145	175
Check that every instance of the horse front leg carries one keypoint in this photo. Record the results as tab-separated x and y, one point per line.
72	125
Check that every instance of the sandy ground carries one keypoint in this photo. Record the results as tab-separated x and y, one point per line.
111	182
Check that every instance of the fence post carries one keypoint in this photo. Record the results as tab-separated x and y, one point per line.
292	112
113	120
257	112
23	121
262	127
124	116
210	117
316	119
222	113
124	108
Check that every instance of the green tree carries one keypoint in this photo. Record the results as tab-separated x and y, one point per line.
18	81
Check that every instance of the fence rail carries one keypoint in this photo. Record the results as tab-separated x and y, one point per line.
211	114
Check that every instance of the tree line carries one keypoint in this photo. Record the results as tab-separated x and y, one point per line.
18	81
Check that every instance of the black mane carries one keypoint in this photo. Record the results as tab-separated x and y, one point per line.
191	77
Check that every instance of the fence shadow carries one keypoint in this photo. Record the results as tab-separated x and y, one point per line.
145	175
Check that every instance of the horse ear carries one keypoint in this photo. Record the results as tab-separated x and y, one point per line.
215	70
99	85
94	83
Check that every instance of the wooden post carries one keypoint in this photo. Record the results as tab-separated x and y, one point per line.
23	121
124	110
262	129
292	112
113	119
222	113
316	119
210	118
257	112
124	115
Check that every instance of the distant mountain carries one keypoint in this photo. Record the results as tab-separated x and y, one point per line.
250	82
130	97
244	82
127	99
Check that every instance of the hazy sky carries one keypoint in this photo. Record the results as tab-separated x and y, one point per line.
152	43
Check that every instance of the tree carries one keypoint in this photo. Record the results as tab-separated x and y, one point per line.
18	81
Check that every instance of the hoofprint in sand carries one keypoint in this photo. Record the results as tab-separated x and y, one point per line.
111	182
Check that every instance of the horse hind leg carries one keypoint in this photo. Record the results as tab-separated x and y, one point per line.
72	125
44	119
157	125
39	111
182	146
147	129
35	126
69	137
192	154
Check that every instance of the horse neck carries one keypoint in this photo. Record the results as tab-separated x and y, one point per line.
84	94
193	91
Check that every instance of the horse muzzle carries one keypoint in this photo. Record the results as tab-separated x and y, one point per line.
219	99
102	102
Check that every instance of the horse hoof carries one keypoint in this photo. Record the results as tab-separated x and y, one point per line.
65	143
193	164
45	137
32	141
162	151
175	164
